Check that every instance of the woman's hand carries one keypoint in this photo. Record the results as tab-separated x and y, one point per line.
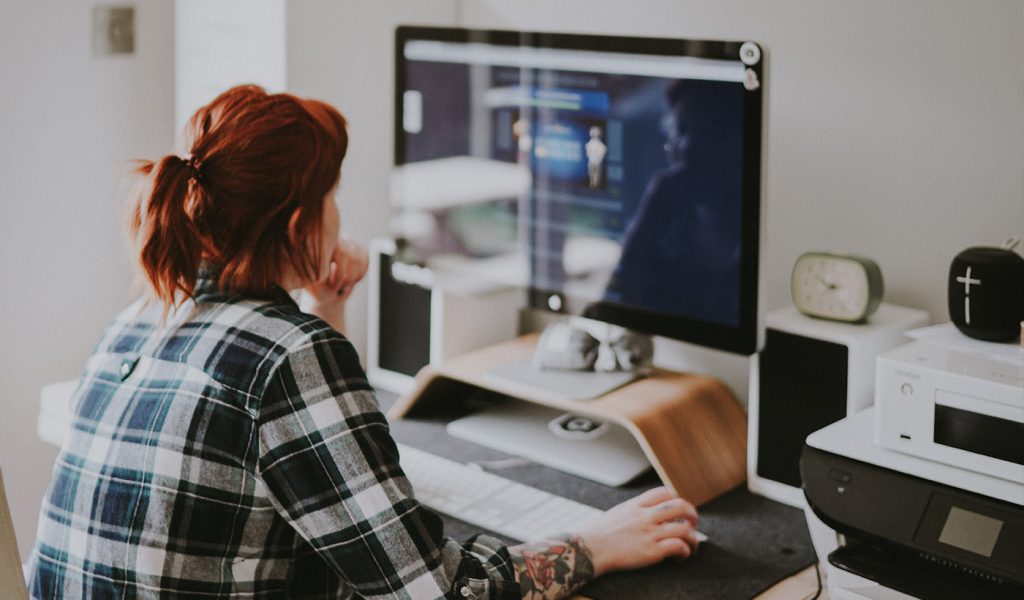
348	264
642	531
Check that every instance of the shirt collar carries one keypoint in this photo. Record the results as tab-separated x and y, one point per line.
207	283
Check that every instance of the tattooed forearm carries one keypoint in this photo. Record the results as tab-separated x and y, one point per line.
552	569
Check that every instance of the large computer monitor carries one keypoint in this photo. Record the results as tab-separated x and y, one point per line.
613	177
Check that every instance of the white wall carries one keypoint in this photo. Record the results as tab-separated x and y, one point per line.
895	128
69	124
225	43
341	52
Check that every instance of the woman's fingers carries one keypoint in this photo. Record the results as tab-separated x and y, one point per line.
348	265
643	530
360	261
654	496
332	275
679	530
675	509
673	547
666	506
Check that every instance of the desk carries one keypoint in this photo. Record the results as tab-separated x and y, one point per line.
754	542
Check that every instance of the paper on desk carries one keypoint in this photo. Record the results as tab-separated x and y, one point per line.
948	336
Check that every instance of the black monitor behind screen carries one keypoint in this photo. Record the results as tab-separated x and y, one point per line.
613	177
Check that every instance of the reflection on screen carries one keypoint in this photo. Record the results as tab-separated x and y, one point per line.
605	177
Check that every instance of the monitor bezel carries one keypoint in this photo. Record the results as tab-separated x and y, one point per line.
741	338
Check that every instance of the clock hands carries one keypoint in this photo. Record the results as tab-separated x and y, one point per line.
836	288
829	285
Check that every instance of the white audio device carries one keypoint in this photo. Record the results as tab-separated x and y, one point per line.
957	405
418	318
811	372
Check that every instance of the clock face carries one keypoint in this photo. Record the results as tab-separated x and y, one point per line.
830	286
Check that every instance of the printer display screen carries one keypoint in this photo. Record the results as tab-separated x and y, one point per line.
976	531
970	531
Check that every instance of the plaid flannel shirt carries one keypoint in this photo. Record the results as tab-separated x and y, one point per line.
237	451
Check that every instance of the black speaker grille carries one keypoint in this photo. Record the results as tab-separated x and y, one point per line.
802	388
404	327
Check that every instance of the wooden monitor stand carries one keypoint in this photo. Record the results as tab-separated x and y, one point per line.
691	427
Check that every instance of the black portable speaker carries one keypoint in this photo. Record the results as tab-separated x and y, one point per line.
986	293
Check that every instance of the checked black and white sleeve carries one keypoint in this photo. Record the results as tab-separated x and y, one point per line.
331	468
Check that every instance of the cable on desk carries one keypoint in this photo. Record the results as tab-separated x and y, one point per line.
817	573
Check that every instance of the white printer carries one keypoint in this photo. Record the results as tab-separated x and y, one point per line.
895	526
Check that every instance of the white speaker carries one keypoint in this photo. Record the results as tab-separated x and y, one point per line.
809	374
414	323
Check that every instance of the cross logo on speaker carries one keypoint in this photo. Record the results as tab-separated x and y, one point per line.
967	281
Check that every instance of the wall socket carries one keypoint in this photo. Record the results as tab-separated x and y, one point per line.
113	30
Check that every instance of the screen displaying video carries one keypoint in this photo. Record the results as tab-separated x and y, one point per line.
607	178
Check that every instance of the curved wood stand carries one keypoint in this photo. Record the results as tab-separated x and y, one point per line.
691	427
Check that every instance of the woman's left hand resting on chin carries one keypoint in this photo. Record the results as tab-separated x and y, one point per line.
348	266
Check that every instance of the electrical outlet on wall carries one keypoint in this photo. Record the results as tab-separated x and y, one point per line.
113	29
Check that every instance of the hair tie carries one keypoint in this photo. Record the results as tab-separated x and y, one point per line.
194	164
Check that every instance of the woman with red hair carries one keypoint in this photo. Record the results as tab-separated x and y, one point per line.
226	444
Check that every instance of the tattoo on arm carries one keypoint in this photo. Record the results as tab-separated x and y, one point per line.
552	569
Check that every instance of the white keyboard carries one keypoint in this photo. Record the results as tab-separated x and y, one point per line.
479	498
497	504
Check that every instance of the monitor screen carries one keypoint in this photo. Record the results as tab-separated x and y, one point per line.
613	177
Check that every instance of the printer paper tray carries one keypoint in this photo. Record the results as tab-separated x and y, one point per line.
918	576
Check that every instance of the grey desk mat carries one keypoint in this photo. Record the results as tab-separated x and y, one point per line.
753	542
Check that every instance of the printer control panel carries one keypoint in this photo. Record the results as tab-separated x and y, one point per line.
982	536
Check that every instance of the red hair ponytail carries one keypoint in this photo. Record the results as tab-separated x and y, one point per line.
248	198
